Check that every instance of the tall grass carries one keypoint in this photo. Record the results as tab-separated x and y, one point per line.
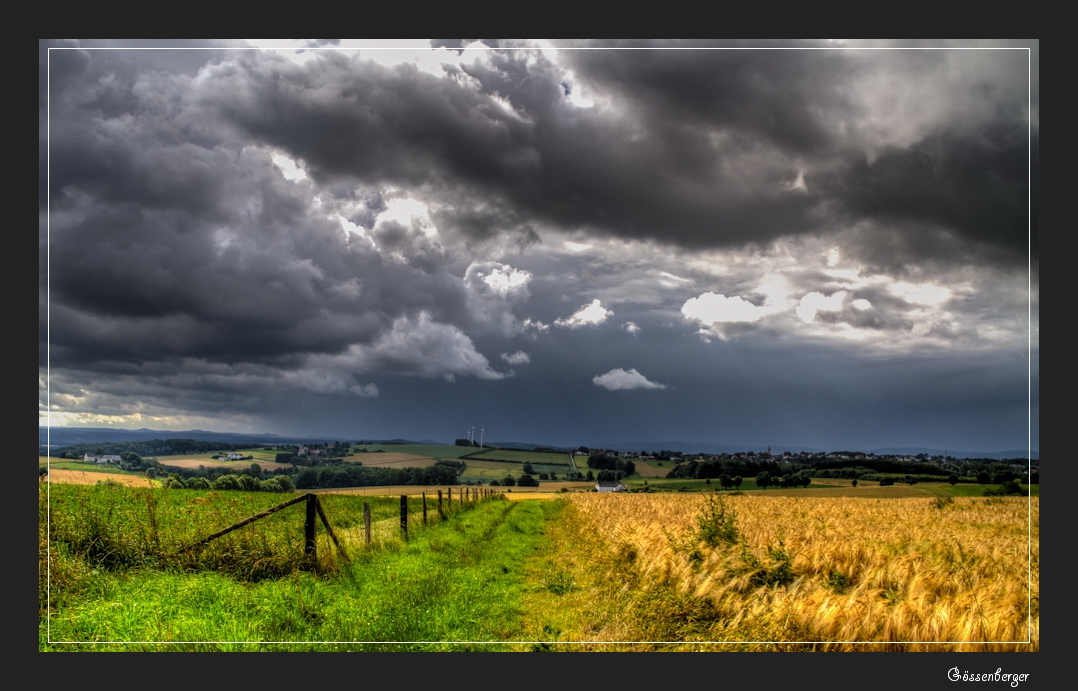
817	574
456	586
84	528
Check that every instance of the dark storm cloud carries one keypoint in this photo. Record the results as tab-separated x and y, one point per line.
783	97
700	148
170	238
972	184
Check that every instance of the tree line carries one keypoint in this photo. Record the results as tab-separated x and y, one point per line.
154	447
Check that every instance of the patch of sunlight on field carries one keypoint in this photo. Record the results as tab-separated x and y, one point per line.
82	477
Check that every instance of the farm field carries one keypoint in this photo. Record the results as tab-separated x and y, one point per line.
195	460
650	469
435	451
536	458
496	470
93	476
778	570
391	460
797	573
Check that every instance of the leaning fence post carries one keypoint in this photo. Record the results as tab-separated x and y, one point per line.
441	511
309	549
325	522
404	515
367	521
424	508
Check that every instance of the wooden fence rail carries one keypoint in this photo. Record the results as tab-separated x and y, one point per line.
315	512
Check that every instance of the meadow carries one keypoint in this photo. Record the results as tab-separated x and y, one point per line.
536	458
457	580
784	570
435	451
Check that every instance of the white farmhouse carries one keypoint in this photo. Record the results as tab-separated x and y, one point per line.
609	486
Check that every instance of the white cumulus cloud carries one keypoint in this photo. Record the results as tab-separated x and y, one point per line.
712	308
620	380
594	313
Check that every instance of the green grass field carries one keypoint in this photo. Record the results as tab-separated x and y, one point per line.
91	468
971	490
536	458
461	580
436	451
496	470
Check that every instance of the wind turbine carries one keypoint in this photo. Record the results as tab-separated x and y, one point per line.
480	437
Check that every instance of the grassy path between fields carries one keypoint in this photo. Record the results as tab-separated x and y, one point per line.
454	587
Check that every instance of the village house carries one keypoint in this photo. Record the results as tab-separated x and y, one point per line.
609	486
106	458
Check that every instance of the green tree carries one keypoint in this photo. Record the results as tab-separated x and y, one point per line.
527	481
271	485
225	482
528	469
248	483
953	479
763	479
174	481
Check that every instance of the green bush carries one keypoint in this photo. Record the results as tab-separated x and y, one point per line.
942	502
717	522
777	569
1008	488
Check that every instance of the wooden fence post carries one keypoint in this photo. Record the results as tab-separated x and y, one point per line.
424	509
449	498
404	515
308	531
367	521
441	511
329	529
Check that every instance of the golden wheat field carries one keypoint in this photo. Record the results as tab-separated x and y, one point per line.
80	477
851	573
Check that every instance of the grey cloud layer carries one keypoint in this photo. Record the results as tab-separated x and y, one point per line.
183	259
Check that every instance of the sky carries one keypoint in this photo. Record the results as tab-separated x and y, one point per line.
827	244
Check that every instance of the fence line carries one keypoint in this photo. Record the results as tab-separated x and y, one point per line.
314	512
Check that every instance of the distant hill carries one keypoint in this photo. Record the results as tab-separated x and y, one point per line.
64	436
913	451
716	448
